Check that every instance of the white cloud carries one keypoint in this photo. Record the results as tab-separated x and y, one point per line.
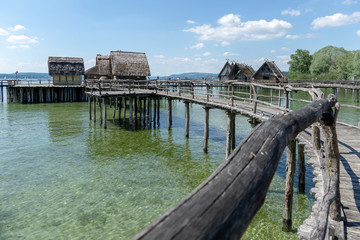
18	46
3	32
159	56
190	22
349	2
336	20
207	54
225	43
283	58
231	28
310	35
285	49
19	39
273	51
17	28
292	36
358	32
291	12
230	54
197	46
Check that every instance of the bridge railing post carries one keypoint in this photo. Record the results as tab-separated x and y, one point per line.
255	97
207	92
99	86
232	95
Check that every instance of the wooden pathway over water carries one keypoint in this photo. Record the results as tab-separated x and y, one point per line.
318	225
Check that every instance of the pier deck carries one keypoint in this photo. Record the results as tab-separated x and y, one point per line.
348	139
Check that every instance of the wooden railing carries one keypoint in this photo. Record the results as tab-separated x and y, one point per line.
222	206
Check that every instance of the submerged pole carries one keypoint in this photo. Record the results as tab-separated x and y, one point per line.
301	168
206	129
187	119
169	113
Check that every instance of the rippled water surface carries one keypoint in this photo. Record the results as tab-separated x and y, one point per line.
64	177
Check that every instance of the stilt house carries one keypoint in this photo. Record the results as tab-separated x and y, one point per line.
120	65
66	70
269	72
236	71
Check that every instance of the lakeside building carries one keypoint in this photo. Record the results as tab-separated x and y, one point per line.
268	72
236	71
120	65
66	70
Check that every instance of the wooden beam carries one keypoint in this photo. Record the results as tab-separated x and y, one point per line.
206	129
301	168
187	119
169	113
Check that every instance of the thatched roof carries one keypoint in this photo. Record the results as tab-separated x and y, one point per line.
102	67
237	68
129	64
65	66
274	70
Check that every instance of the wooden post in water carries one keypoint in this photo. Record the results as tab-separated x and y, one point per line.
229	133
94	108
105	113
169	113
158	111
119	105
155	109
286	99
271	95
115	106
233	139
289	185
357	96
149	111
301	168
90	108
124	105
131	110
187	119
206	129
100	111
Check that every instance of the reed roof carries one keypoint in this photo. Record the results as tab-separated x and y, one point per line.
129	64
65	66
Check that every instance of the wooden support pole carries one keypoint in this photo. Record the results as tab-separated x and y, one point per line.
187	119
158	111
289	185
357	96
169	113
131	100
279	97
301	168
206	129
286	99
105	113
100	111
135	107
119	105
233	139
149	111
155	109
115	106
124	105
94	108
89	108
271	95
316	137
229	133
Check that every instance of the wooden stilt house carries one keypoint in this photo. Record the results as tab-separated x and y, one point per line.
269	72
236	71
120	65
66	70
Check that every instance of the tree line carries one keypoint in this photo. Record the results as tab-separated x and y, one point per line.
330	62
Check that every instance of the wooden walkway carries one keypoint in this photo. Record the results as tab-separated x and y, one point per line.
348	139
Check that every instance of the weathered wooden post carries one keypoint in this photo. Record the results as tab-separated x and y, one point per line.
233	139
232	95
271	95
155	109
131	110
229	133
105	113
119	105
286	99
255	98
206	129
124	105
187	119
94	108
115	106
192	90
289	185
279	103
301	168
89	108
207	92
169	113
158	111
316	137
100	110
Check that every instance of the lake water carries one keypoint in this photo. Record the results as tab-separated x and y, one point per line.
64	177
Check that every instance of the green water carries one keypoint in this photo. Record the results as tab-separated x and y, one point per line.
64	177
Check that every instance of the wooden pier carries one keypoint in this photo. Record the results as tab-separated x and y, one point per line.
37	91
252	164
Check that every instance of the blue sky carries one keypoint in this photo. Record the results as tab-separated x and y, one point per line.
177	36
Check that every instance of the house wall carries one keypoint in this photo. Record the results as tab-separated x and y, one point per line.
224	75
67	79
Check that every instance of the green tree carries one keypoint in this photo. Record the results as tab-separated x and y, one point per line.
342	66
300	61
324	58
356	66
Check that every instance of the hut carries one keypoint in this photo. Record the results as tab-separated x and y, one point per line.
101	69
236	71
120	65
269	72
66	70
